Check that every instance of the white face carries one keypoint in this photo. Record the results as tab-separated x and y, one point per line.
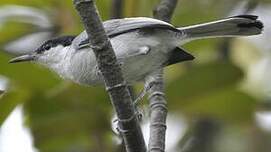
52	56
56	58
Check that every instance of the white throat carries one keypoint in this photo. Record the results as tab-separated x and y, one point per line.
58	60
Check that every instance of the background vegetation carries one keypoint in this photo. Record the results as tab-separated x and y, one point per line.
219	98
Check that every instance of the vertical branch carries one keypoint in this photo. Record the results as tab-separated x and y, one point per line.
165	9
201	136
158	104
117	9
115	85
224	46
1	93
158	113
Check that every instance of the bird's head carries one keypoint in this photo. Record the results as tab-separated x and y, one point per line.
49	53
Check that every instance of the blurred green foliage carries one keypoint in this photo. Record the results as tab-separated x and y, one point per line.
69	117
210	90
66	117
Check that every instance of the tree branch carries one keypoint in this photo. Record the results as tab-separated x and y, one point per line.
158	113
201	136
115	85
117	9
165	9
158	104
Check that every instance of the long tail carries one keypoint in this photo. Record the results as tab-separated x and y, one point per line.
243	25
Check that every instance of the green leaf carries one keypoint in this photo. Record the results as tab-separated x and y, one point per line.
14	30
28	75
26	3
211	90
73	117
227	105
10	100
28	79
202	80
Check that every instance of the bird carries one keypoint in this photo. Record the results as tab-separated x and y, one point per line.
141	45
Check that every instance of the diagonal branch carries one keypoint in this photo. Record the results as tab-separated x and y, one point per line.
114	82
158	104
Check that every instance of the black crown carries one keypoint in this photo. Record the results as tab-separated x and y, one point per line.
63	40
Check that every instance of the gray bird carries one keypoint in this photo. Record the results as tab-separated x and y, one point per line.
142	45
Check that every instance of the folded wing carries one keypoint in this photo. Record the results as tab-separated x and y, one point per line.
120	26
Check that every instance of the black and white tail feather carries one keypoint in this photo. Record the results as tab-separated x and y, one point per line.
242	25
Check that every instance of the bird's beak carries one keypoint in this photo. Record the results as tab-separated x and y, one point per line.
23	58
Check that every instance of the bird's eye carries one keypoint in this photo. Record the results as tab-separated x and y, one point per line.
47	47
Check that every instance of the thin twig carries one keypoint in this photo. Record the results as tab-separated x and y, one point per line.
128	124
165	9
158	104
201	137
117	9
225	45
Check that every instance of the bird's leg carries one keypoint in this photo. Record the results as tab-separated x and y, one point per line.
142	93
138	112
147	86
137	100
149	82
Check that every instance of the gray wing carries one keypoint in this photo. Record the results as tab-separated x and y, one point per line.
119	26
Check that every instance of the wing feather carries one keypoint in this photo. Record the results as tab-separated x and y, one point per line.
119	26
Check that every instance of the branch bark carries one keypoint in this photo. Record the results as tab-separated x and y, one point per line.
1	92
165	9
201	136
117	9
157	101
115	85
